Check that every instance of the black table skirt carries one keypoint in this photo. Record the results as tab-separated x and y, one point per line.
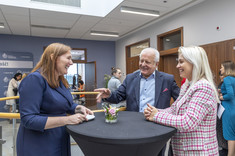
132	135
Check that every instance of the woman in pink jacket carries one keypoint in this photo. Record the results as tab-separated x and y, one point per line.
193	114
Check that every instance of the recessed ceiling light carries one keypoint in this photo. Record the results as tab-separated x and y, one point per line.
50	27
139	11
2	25
102	33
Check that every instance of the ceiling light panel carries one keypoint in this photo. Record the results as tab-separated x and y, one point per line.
140	11
102	33
74	3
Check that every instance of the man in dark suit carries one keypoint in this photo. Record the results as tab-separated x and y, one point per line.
144	86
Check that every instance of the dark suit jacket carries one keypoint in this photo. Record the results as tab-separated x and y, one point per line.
165	88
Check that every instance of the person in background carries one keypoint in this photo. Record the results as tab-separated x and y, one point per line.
12	90
45	101
74	88
24	75
221	76
81	88
80	81
114	83
223	144
194	112
146	86
17	100
227	97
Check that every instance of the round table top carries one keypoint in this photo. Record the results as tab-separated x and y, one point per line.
131	128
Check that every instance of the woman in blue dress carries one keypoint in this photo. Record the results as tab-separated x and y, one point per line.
45	101
227	97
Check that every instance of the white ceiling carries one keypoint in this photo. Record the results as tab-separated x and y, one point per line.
43	23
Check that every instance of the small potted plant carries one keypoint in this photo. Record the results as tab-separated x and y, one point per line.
106	80
111	114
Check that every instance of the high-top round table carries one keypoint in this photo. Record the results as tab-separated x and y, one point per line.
132	135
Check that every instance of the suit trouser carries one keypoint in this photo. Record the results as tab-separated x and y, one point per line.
166	150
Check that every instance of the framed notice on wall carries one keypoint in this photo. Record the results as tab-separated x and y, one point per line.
79	55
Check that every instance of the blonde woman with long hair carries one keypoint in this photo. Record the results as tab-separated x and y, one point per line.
194	112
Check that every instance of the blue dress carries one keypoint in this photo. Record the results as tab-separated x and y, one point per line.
228	122
38	101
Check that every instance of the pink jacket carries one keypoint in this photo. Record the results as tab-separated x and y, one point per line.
194	116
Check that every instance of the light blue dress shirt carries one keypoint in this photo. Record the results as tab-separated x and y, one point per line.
147	91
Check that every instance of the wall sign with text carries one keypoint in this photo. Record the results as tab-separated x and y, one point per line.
10	64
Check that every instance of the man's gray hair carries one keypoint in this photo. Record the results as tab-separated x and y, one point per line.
152	50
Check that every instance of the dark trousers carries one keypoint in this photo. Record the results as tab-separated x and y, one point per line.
162	152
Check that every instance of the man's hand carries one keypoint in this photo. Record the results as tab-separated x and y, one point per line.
104	93
149	112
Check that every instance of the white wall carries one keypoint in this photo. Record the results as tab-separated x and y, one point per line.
199	23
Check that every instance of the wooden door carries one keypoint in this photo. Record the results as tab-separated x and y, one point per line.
169	52
132	64
168	65
90	79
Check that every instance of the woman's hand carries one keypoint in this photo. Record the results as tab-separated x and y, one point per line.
83	110
149	112
75	119
221	96
53	122
104	93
